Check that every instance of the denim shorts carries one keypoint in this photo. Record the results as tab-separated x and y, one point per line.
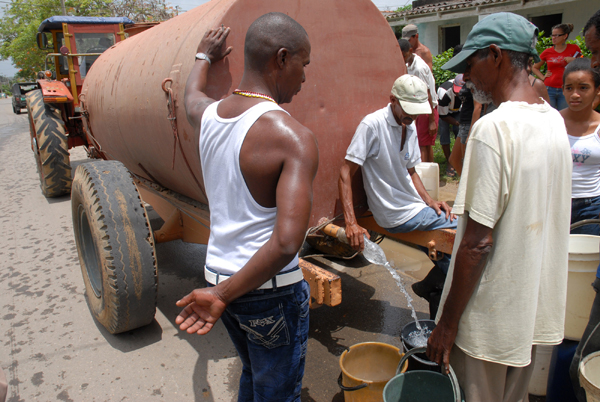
269	329
585	208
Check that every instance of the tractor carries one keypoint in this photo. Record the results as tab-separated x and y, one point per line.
53	108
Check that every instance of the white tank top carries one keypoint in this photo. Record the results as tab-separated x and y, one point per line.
239	226
586	165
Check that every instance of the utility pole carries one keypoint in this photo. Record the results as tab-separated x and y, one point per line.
64	10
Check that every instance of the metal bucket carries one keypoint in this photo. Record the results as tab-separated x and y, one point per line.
422	386
589	376
366	369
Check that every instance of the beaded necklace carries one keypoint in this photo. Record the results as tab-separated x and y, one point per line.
250	94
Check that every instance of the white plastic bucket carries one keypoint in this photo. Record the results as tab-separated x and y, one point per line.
589	376
429	172
583	263
541	367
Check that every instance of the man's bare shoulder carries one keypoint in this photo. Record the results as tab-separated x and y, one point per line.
282	129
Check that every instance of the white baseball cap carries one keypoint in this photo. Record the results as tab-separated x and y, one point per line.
411	92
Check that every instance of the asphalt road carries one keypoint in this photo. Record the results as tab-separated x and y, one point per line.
54	350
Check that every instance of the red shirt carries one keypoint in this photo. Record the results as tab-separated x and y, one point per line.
556	64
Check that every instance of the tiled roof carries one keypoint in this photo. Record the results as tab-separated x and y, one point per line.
441	7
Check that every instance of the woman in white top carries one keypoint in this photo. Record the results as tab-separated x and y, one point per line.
581	85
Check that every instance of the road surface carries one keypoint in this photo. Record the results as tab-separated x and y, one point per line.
54	350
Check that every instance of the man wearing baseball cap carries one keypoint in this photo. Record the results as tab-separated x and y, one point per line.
506	287
411	34
385	145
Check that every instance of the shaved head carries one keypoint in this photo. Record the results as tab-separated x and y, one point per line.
267	35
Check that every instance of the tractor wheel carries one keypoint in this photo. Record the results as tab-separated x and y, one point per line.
115	246
50	146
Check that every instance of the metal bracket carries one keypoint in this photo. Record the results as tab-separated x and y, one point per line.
171	116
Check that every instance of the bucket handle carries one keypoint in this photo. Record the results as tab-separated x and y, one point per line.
451	375
585	222
355	388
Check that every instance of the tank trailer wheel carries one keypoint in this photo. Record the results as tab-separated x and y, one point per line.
50	146
115	246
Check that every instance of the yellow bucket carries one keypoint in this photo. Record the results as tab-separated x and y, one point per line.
366	368
589	376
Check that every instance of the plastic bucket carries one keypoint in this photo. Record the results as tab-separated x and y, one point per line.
422	386
583	263
541	368
423	362
589	376
429	172
366	368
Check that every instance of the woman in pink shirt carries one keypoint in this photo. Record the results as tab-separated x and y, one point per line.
556	58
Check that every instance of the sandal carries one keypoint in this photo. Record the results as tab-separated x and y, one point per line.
450	172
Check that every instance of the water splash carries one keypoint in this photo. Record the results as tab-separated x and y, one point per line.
375	255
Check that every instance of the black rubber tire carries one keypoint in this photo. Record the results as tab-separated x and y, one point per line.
115	246
50	146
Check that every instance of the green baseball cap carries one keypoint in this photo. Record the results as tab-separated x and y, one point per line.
506	30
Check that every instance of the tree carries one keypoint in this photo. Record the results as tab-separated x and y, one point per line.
21	20
144	10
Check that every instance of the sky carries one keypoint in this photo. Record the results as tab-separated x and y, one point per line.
8	70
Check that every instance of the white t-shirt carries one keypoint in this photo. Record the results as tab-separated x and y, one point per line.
586	165
392	196
450	108
420	69
516	180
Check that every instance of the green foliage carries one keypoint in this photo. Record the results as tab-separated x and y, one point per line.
21	19
407	7
439	74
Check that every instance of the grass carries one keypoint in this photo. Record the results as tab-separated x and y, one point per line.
440	159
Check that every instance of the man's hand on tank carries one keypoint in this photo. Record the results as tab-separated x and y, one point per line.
212	44
355	235
202	309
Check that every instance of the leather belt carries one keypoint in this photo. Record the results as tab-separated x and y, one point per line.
280	280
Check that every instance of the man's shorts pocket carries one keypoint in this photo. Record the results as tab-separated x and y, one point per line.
268	329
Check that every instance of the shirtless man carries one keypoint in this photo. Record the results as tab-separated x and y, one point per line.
411	34
258	165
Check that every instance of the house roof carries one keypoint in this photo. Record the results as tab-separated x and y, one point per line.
442	6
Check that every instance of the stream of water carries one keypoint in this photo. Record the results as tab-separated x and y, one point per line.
375	255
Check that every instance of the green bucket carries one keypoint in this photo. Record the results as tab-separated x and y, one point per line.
421	385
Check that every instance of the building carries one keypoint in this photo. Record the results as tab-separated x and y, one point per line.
445	24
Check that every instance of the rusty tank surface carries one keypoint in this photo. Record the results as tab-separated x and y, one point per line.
134	118
137	85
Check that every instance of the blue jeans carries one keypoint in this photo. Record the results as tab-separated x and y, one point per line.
425	220
269	329
585	208
557	99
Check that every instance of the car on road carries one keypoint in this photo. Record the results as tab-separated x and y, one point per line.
19	90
